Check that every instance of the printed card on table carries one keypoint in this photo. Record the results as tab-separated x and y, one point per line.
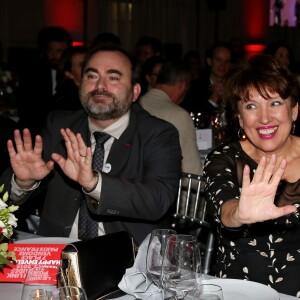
204	138
31	256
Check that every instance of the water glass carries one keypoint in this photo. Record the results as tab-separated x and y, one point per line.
208	292
155	253
68	293
181	269
39	281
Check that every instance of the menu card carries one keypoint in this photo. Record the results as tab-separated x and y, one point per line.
204	138
29	256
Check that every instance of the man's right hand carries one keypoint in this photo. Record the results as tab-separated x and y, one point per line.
26	160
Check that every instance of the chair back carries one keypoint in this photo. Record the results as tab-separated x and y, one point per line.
191	216
190	202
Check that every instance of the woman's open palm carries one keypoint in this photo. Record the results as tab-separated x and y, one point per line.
257	196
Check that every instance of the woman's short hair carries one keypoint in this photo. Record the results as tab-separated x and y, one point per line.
263	74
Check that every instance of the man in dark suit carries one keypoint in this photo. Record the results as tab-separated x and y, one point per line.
137	185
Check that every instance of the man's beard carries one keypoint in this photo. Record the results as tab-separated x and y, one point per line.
113	110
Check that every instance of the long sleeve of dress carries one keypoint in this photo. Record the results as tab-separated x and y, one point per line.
266	252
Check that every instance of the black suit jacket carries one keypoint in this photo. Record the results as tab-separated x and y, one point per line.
137	193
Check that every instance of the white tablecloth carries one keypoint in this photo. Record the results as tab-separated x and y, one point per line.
13	291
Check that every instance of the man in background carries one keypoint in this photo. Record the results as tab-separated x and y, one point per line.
205	95
204	100
38	79
145	48
163	101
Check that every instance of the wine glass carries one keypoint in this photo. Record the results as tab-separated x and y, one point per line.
181	268
68	293
39	281
208	292
156	248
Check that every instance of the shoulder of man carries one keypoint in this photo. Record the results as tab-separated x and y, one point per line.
144	118
75	120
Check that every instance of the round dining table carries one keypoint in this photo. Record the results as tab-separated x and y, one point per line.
13	291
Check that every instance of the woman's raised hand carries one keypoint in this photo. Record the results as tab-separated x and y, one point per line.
256	202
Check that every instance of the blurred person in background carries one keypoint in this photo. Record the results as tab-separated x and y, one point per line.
205	97
145	48
69	79
39	79
162	101
281	52
149	73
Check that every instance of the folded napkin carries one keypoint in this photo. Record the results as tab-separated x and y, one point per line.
136	282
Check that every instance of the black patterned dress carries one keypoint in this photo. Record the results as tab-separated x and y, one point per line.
266	252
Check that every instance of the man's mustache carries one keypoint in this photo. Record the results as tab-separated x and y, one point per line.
101	92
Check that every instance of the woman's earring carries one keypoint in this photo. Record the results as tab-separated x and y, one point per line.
293	127
241	134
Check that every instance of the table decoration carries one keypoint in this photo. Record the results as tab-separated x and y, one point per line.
28	256
7	222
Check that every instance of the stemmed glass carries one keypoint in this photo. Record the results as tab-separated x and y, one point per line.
68	293
155	253
181	268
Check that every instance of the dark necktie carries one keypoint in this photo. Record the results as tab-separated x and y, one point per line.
87	227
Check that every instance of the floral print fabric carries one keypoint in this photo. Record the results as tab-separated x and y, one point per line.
266	252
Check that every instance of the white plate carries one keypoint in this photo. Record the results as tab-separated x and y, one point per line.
46	240
234	289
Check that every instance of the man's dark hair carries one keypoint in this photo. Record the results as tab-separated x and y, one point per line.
65	60
106	38
173	71
152	41
150	63
109	48
53	33
219	44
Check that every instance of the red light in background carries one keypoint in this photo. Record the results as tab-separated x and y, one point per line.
256	14
65	13
77	43
254	49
